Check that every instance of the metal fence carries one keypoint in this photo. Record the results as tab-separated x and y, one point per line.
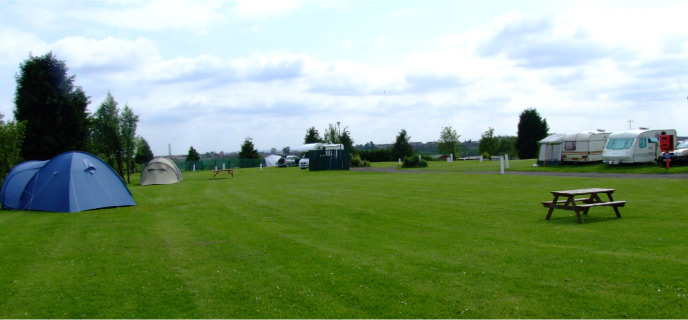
320	160
211	164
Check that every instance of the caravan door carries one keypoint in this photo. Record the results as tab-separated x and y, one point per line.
645	149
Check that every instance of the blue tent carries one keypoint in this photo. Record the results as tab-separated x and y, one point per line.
70	182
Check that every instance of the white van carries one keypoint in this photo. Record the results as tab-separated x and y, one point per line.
634	146
584	146
304	162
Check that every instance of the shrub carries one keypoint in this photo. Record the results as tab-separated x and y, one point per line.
414	162
357	162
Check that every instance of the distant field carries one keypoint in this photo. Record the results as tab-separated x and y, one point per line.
290	243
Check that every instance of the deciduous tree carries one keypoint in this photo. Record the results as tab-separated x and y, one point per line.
107	140
127	131
348	143
449	141
11	136
488	143
143	151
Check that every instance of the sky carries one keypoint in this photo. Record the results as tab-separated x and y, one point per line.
209	74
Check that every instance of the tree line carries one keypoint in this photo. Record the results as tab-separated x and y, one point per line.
531	129
51	118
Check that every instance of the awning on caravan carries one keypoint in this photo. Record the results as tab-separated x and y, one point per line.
550	150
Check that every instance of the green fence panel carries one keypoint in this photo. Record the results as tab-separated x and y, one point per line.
320	160
211	164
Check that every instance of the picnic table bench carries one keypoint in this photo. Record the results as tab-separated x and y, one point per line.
582	204
223	171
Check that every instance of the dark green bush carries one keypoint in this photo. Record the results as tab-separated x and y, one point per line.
357	162
414	162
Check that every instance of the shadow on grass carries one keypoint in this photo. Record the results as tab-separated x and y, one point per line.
587	219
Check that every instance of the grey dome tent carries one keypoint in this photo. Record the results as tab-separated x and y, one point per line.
160	171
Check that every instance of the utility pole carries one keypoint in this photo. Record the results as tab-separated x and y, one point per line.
339	132
629	124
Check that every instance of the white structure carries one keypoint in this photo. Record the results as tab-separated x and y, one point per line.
634	146
584	146
304	162
271	160
550	150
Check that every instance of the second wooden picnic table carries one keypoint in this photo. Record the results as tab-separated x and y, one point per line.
582	204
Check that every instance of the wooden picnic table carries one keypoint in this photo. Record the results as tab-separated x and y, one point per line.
223	171
582	204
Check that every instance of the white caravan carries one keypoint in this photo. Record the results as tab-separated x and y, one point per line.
634	146
584	146
304	162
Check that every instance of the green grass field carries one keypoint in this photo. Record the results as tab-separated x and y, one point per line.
290	243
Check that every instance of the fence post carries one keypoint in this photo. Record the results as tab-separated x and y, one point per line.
194	167
399	161
481	158
501	165
507	160
261	167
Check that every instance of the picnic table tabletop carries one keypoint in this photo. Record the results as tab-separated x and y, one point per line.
577	192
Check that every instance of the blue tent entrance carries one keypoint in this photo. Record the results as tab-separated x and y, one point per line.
70	182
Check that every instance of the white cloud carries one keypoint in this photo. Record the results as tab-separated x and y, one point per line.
154	15
261	9
15	45
107	54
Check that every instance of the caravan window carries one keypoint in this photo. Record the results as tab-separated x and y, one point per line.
620	143
570	145
642	143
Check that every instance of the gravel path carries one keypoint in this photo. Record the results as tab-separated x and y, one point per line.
544	174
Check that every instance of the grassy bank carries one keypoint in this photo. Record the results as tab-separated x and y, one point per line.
289	243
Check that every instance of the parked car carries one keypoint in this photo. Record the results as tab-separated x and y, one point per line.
288	161
304	162
678	155
292	161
